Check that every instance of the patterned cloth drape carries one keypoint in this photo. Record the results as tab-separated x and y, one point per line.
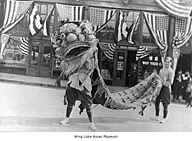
158	27
100	17
73	13
175	9
108	49
15	11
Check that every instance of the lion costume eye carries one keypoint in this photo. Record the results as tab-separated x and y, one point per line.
62	35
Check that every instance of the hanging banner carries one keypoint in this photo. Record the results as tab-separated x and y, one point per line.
176	54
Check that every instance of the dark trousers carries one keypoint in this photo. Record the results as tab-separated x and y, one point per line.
164	97
188	98
177	90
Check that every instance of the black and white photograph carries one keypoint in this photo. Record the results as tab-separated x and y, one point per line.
95	69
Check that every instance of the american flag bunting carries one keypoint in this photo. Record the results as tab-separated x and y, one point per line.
100	17
108	49
183	31
15	11
142	52
158	27
123	30
46	30
35	21
73	13
22	43
174	9
132	28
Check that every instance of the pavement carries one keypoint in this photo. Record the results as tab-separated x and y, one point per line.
38	106
42	81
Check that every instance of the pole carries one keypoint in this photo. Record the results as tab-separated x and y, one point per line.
170	36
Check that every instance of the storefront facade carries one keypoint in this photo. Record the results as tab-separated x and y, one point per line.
118	66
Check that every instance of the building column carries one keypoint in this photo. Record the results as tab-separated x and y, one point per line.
190	44
87	13
170	36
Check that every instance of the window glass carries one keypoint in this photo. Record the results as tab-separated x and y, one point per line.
22	28
44	9
107	69
35	53
13	57
46	60
108	32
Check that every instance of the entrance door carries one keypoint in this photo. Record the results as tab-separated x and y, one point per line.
120	67
40	59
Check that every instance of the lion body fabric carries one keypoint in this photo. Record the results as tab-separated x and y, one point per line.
139	96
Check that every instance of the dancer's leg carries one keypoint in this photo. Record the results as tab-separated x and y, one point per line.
68	113
90	116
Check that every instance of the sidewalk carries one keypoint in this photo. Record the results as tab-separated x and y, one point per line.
41	81
30	80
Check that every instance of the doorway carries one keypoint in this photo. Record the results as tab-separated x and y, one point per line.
184	63
120	68
40	58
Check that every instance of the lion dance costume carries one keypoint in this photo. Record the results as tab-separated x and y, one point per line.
76	47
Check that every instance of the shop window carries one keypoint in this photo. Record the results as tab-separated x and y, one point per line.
108	32
35	54
22	28
13	57
107	69
146	36
150	64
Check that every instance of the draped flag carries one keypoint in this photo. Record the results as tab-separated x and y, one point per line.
158	27
174	8
22	43
121	26
15	11
183	31
35	21
108	49
142	52
123	30
100	17
46	30
73	13
131	30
